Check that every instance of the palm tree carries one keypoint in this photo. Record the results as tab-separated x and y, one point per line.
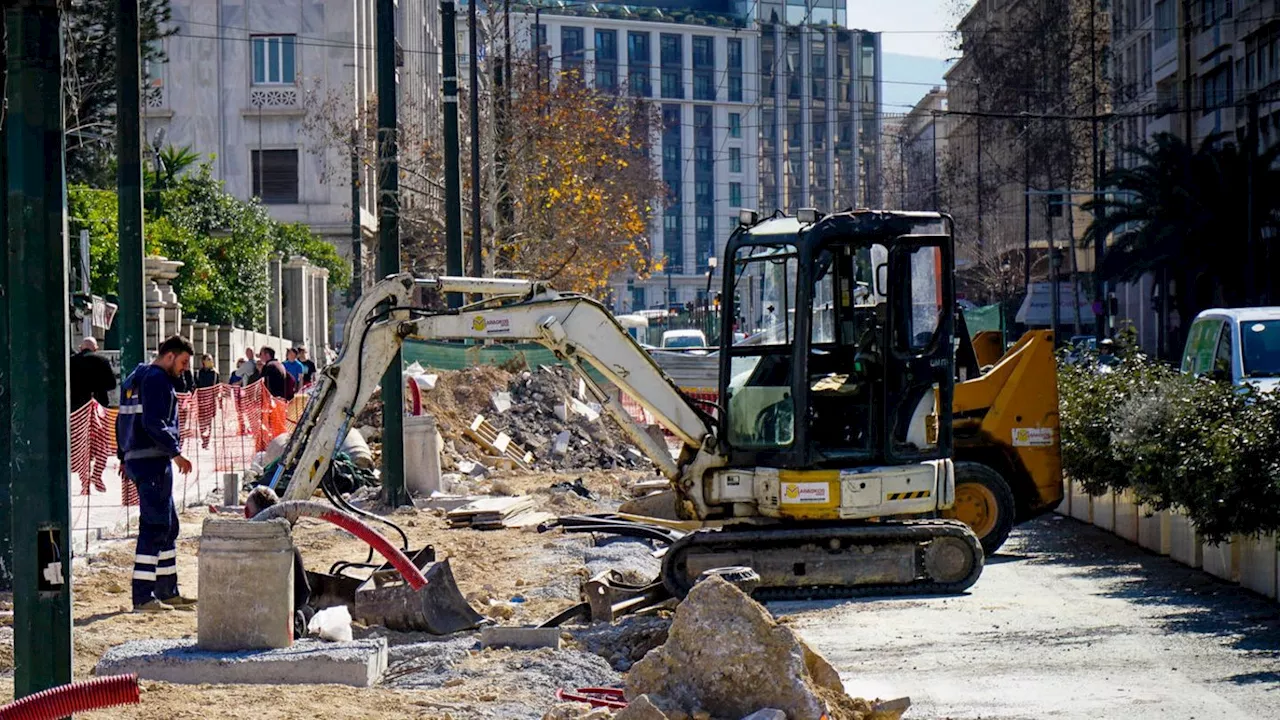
1184	215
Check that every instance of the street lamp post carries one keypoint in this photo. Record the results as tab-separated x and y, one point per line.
1005	269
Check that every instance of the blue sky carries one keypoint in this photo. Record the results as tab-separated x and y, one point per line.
916	43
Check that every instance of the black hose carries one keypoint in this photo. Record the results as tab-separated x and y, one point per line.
581	609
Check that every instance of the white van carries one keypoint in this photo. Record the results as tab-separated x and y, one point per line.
1239	345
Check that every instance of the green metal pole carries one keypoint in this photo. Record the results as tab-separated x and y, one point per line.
389	247
37	284
452	163
6	507
130	314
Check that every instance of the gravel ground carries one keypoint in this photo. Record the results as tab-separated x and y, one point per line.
1067	622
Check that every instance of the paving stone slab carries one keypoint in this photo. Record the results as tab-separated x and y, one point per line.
360	663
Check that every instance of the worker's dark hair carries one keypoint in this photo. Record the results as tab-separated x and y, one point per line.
270	351
176	345
261	498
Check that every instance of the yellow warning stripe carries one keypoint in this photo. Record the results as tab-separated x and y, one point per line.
910	495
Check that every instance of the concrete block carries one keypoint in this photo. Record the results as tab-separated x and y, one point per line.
1258	560
360	663
1104	511
1153	530
1222	560
520	638
231	489
1184	541
422	445
1081	503
1127	516
246	576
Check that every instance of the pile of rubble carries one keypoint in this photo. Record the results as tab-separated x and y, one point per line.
548	411
757	669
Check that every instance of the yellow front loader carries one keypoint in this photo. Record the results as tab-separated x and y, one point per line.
1007	455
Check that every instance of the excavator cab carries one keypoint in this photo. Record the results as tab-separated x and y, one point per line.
850	361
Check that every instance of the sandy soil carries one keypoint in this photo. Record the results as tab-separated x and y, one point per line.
497	564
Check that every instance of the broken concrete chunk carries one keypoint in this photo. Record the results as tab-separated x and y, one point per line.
640	708
767	714
755	663
501	401
567	711
561	411
520	638
561	444
584	410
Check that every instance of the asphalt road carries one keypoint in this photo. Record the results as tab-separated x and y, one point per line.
1067	621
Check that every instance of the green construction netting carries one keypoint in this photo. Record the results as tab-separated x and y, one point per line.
456	356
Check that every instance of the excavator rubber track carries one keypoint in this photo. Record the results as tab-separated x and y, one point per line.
913	557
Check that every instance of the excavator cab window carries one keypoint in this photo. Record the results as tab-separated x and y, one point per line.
760	407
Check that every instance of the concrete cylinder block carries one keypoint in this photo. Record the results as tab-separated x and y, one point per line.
246	585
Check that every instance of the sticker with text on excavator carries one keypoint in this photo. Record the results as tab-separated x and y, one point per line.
805	493
1032	437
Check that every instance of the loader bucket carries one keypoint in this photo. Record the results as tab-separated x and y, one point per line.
438	608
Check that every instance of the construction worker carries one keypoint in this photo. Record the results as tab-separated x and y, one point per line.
148	447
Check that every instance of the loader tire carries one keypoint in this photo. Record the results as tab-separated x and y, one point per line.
985	503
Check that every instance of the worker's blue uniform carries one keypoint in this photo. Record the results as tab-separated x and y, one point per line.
148	440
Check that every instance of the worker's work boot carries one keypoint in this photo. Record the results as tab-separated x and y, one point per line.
181	603
153	606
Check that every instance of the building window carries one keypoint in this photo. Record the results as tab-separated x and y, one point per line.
735	125
571	48
606	46
704	85
274	62
672	55
818	71
735	194
1215	88
735	160
672	87
275	176
735	87
638	59
1165	22
704	53
734	54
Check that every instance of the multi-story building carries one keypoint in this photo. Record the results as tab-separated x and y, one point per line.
923	147
241	78
764	107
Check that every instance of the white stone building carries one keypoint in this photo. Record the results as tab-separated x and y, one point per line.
241	75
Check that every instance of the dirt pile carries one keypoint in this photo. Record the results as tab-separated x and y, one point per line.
754	664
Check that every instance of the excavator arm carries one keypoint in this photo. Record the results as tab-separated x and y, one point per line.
577	329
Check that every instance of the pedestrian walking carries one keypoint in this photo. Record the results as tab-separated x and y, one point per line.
293	366
149	446
246	374
279	382
309	376
207	397
91	376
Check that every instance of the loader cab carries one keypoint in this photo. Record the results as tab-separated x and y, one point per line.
852	361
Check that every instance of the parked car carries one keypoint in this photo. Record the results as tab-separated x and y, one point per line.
685	339
1237	345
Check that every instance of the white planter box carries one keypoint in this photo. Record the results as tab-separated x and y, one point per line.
1223	560
1081	504
1104	511
1154	530
1127	516
1184	543
1258	560
1064	507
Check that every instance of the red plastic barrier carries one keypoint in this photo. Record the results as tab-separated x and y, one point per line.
65	700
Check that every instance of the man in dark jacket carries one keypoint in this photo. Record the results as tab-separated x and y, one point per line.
148	446
91	376
274	374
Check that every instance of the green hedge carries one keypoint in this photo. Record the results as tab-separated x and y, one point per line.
1205	448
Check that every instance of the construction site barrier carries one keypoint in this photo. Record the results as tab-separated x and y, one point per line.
221	428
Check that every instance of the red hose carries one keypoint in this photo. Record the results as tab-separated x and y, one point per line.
295	508
66	700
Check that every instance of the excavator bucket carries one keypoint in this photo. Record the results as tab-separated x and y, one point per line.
439	608
385	599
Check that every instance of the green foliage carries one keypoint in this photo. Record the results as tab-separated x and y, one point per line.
1206	448
224	244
